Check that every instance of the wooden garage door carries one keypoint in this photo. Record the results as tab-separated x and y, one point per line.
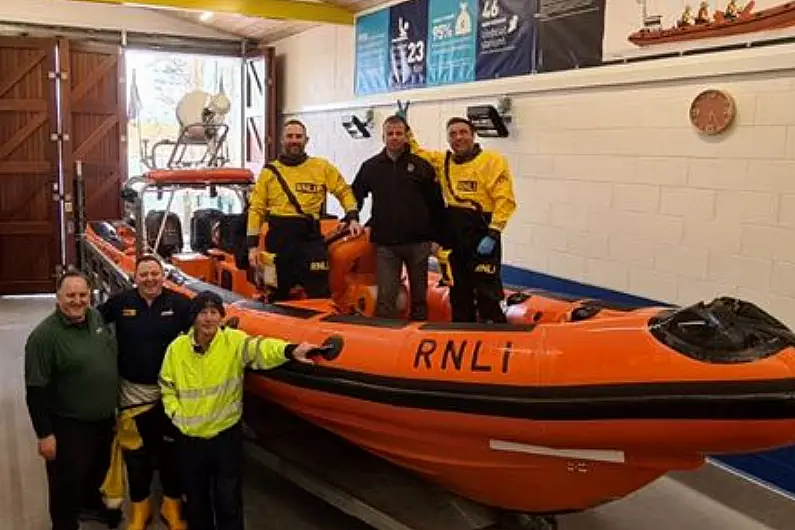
29	209
92	97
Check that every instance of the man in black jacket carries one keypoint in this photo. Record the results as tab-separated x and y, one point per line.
405	218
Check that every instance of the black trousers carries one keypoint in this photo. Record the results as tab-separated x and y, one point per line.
477	280
389	265
212	474
301	256
159	451
82	457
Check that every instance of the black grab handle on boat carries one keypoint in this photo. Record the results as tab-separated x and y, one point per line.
330	350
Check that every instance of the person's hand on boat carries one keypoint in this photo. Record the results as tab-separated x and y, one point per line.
303	352
355	228
253	257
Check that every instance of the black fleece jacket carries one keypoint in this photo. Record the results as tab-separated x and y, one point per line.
407	201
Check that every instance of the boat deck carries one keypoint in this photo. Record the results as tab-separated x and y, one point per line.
305	479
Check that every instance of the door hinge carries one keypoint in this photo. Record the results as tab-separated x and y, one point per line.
59	137
57	74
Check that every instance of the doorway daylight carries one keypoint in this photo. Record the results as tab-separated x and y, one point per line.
156	82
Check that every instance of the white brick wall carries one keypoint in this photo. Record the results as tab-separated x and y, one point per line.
786	215
688	203
617	190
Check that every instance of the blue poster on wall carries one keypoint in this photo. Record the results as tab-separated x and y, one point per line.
452	32
408	44
372	53
506	36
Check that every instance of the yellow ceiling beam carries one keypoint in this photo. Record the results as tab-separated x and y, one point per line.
272	9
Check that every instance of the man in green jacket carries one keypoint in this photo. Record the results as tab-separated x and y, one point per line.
71	384
201	384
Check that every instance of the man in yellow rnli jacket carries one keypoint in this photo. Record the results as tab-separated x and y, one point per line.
289	195
201	383
477	186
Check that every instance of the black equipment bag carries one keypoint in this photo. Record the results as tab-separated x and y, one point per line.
233	237
171	242
201	229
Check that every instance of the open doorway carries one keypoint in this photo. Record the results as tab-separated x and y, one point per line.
157	82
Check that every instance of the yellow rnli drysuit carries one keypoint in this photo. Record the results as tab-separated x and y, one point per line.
479	196
290	197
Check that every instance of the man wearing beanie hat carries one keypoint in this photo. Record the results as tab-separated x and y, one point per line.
201	384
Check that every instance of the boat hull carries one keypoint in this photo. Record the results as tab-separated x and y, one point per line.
778	17
570	405
516	464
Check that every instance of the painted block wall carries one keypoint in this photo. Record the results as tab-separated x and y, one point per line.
615	187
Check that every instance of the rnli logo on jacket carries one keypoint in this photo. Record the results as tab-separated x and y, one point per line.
128	312
486	268
318	266
307	187
467	186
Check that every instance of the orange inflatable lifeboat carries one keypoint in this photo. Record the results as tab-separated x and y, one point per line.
573	403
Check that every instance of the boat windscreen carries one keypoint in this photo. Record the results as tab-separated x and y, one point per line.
724	331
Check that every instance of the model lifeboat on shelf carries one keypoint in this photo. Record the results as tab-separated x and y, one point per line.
573	403
733	21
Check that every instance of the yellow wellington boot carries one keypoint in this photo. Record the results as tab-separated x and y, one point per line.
140	515
171	514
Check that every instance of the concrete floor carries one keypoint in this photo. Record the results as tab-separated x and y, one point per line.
273	503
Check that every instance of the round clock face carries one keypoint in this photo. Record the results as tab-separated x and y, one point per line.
712	112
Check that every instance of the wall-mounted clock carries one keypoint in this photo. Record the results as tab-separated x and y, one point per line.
712	112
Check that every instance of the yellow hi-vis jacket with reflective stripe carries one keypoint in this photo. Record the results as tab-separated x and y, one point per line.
203	392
